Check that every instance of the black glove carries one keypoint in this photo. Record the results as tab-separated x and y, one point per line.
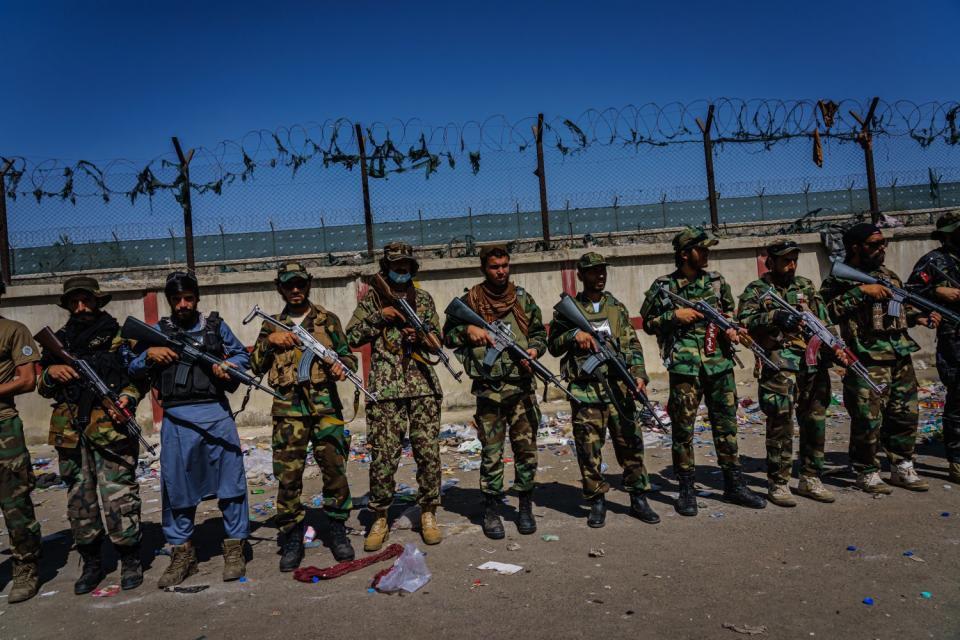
785	320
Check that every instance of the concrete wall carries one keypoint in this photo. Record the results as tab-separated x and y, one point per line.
543	274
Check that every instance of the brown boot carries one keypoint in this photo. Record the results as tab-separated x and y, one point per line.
429	530
26	582
234	564
378	534
183	564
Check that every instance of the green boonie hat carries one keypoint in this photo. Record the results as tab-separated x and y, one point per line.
781	247
292	271
947	224
398	251
591	259
83	283
693	237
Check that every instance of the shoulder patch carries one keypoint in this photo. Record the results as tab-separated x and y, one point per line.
27	350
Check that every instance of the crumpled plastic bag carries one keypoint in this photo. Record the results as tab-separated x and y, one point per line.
409	572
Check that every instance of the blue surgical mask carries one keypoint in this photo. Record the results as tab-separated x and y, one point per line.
400	278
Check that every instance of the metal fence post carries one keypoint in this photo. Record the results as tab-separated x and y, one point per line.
367	215
865	140
708	157
541	174
185	201
5	273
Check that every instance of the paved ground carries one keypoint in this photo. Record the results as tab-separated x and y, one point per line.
788	570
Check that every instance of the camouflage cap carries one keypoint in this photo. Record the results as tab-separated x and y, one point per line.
83	283
292	271
692	237
591	259
947	224
781	247
398	251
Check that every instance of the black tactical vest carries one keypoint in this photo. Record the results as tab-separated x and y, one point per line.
201	385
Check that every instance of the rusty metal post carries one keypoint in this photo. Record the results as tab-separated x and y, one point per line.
5	273
185	201
865	140
541	174
708	157
367	215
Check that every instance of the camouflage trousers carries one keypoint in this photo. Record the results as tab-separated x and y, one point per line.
104	474
720	394
805	393
16	483
387	422
888	420
292	435
590	424
520	416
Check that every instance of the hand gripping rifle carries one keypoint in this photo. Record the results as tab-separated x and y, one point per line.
424	330
503	341
845	271
817	334
109	398
606	354
312	349
715	317
188	350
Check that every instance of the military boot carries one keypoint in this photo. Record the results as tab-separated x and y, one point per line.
687	499
291	548
905	476
811	487
26	581
92	572
183	564
779	494
955	472
492	524
871	482
234	564
598	512
525	521
737	492
339	542
379	533
131	573
641	509
429	530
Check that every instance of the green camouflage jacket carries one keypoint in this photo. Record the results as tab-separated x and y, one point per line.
395	372
318	396
611	318
506	378
683	348
924	281
864	324
786	349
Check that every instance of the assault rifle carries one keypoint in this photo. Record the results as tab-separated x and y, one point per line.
817	334
503	341
606	354
109	398
900	295
189	352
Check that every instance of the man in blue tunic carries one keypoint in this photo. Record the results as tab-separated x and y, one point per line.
200	454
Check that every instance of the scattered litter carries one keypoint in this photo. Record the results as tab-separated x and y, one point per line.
409	573
309	535
477	583
746	629
243	579
851	548
47	594
469	465
926	595
513	546
256	492
908	553
408	519
448	484
106	592
502	568
549	537
306	574
197	589
945	514
596	553
717	515
868	602
470	446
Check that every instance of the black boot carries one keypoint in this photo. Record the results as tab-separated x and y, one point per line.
492	524
291	548
735	491
92	572
598	512
525	522
640	509
339	543
687	500
131	572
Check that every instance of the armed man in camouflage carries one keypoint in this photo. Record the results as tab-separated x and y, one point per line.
603	403
18	355
96	456
506	392
799	387
881	341
311	413
937	276
407	389
700	363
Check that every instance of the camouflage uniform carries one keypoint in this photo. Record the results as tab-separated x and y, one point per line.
408	396
506	399
311	413
882	343
16	472
798	387
595	410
